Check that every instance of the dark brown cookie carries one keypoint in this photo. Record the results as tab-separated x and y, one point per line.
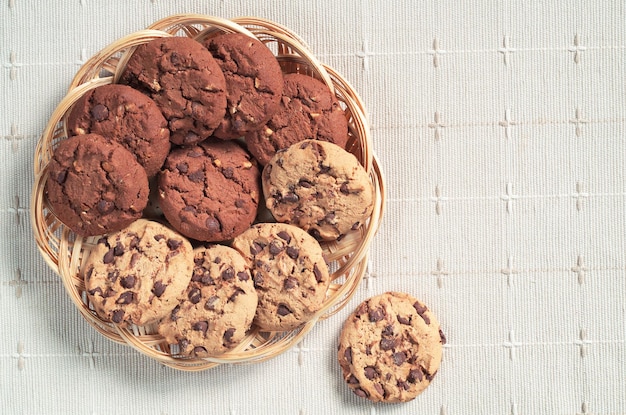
125	115
210	192
254	82
182	77
95	185
308	110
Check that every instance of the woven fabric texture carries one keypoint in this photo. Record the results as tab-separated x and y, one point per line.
501	130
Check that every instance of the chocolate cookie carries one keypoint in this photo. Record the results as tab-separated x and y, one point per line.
217	308
210	192
390	348
289	272
308	110
136	275
127	116
319	187
182	77
254	83
95	185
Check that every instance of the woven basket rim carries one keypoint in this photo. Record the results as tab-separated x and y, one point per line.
64	251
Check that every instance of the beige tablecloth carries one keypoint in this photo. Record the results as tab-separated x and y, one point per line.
501	130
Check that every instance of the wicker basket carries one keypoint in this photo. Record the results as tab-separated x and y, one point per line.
65	252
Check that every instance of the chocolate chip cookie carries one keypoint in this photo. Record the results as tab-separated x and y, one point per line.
390	348
218	306
127	116
210	192
182	77
308	110
289	273
254	82
319	187
135	276
95	185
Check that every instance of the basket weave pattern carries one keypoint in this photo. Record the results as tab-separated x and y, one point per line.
65	252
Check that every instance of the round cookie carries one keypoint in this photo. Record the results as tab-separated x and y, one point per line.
210	192
319	187
127	116
390	348
289	273
182	77
218	306
136	275
308	110
254	83
95	185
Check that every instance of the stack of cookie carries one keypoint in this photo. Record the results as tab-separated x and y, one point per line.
172	171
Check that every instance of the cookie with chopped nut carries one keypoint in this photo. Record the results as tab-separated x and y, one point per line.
390	348
308	111
126	116
289	273
217	308
254	82
319	187
136	276
95	185
210	192
184	80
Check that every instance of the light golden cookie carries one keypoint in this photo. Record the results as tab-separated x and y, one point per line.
289	272
218	306
390	348
319	187
136	275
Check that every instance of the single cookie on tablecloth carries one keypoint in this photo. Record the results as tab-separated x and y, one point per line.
125	115
95	185
319	187
136	275
187	84
218	306
390	348
254	83
210	192
308	110
289	273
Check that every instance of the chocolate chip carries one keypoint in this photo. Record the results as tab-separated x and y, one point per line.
128	281
355	226
240	203
314	232
89	273
376	315
352	380
284	236
99	112
404	320
283	310
158	288
158	237
61	177
348	355
104	206
290	197
276	247
387	344
202	326
237	292
318	274
197	176
175	59
344	189
443	337
228	335
387	331
134	258
134	243
415	375
305	183
217	260
370	372
293	252
212	224
256	247
117	316
361	393
199	350
119	249
95	291
329	217
174	244
228	274
113	275
182	167
290	283
403	384
429	377
126	297
194	295
399	358
258	280
243	276
210	303
379	389
324	169
421	310
109	257
228	172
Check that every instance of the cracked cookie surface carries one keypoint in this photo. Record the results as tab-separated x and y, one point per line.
289	273
307	110
218	306
210	192
136	275
182	77
95	185
254	82
319	187
390	348
126	116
